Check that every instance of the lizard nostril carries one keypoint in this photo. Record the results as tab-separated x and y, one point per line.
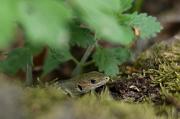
93	81
80	87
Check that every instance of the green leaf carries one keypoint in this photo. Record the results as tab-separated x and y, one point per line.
35	48
81	37
16	60
108	60
105	6
125	5
96	14
147	25
45	21
54	58
98	5
108	28
7	21
122	54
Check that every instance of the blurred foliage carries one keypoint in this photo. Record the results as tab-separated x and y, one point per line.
9	14
53	23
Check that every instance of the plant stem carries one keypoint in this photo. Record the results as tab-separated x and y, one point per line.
138	5
86	54
75	60
78	69
29	78
88	63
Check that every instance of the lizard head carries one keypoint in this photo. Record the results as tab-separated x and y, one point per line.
90	81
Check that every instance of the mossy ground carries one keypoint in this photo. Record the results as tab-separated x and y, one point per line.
156	72
155	77
149	89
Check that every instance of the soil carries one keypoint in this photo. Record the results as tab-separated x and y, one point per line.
137	90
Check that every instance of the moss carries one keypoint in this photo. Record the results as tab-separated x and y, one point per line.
103	107
162	64
10	100
39	100
49	102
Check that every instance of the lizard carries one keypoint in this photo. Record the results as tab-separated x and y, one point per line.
83	83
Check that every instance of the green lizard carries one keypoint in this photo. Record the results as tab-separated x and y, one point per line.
84	83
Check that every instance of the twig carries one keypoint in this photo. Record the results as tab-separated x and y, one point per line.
88	63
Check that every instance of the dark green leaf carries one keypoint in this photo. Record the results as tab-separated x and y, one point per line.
122	54
54	58
35	48
125	5
81	37
16	60
108	60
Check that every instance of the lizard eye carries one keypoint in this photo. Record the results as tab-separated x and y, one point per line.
106	78
93	81
80	87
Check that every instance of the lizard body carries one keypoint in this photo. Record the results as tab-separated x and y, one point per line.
84	83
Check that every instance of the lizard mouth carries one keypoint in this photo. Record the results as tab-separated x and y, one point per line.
102	82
